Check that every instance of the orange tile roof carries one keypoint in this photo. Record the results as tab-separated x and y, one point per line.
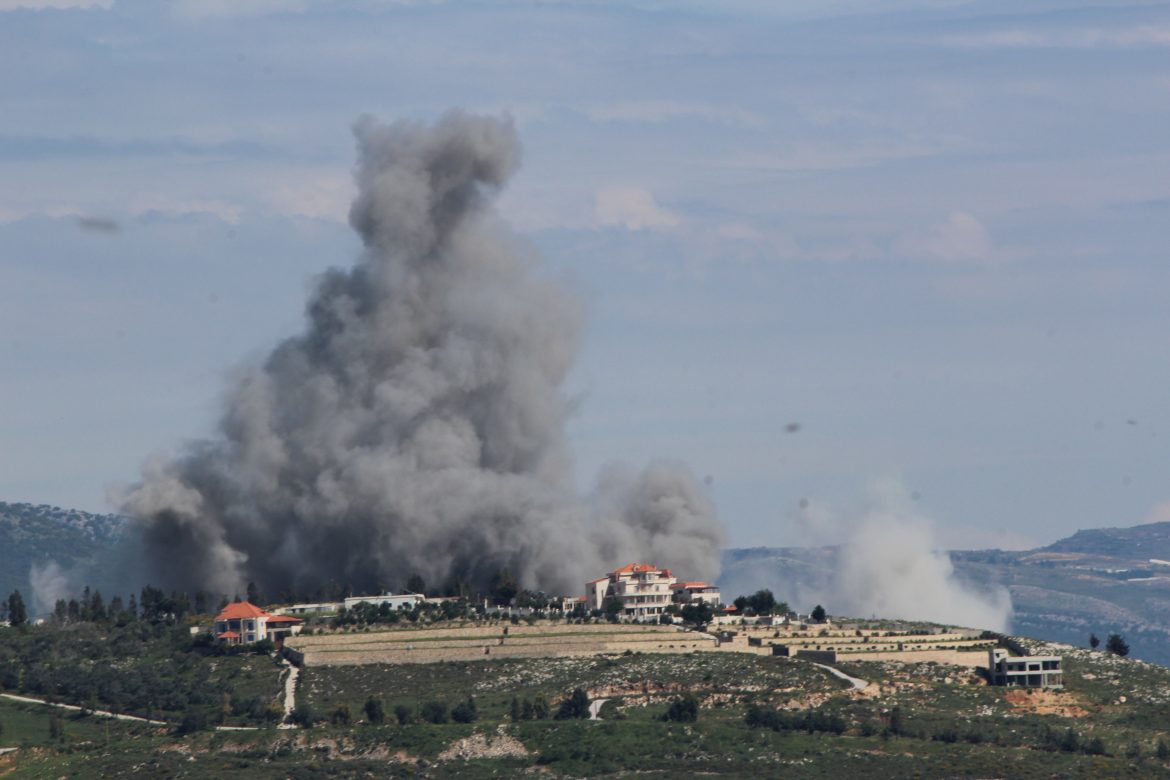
239	610
635	568
731	608
690	585
283	619
229	635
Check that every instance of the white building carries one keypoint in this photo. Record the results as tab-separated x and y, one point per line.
323	608
400	601
696	593
641	591
1031	671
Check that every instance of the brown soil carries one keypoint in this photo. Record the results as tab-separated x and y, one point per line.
1043	702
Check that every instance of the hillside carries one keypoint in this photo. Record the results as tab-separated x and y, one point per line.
683	714
41	533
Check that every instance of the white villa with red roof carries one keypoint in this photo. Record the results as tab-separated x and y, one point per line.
242	622
641	591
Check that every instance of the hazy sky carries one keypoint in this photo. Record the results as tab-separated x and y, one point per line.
821	246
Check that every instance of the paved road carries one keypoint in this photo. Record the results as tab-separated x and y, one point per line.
857	682
595	708
290	696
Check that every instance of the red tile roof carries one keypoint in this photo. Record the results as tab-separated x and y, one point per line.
635	568
283	619
241	610
229	635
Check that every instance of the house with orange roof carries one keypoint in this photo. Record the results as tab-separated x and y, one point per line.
640	590
242	622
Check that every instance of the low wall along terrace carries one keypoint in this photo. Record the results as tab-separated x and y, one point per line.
404	646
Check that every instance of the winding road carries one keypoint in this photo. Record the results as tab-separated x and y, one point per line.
856	682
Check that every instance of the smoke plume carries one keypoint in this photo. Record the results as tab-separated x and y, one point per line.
888	566
417	424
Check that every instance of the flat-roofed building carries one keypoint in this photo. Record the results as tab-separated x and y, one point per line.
695	593
1028	671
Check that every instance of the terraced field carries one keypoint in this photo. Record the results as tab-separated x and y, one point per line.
471	642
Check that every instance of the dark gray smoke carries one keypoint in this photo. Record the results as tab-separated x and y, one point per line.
417	425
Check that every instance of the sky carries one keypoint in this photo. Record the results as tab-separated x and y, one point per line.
822	245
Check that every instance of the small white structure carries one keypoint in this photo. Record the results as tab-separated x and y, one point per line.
695	593
641	591
400	601
1030	671
242	622
323	608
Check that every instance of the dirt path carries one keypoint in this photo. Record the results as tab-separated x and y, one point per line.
856	682
107	714
75	708
595	708
290	696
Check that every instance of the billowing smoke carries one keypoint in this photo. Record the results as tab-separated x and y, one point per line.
891	567
888	565
417	424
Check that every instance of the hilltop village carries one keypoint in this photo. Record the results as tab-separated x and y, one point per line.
644	671
636	608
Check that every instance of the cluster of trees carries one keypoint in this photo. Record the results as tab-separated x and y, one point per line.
1071	742
528	709
1114	644
154	670
761	717
762	602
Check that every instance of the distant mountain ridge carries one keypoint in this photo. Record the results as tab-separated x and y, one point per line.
1139	542
39	533
1096	581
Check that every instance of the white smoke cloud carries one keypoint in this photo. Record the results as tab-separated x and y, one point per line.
888	564
891	567
49	583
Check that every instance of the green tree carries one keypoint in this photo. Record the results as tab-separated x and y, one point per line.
1163	750
434	712
684	709
818	614
1094	641
576	706
515	711
17	614
1117	645
416	584
697	614
762	602
897	723
341	715
375	714
465	712
403	714
540	707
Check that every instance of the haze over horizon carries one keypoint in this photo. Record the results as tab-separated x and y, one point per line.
820	247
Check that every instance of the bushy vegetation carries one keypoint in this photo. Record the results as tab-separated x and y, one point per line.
142	662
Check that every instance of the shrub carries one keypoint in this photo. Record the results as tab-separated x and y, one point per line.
403	714
576	706
375	714
194	719
434	712
303	715
465	712
684	709
341	716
